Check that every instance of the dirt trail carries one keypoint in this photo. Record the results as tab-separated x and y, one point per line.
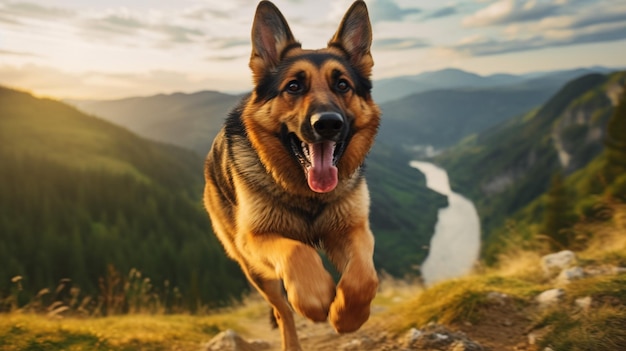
505	330
313	336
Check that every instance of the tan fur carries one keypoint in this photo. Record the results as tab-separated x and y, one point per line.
262	209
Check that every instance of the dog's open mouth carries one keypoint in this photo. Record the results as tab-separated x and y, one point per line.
319	161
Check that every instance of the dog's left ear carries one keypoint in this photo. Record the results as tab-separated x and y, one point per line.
270	37
354	37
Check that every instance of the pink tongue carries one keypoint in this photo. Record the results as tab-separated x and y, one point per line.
322	176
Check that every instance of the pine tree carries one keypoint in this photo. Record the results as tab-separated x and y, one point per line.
616	138
614	171
556	214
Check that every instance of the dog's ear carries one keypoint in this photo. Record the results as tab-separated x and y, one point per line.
270	37
354	37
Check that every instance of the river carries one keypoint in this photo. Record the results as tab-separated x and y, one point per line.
455	245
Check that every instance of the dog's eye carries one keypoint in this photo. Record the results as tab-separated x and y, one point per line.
342	86
294	87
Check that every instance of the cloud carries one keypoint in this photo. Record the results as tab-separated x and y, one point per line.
203	14
387	10
18	53
116	24
511	11
8	20
400	43
123	23
179	34
482	46
225	58
536	24
229	42
597	17
49	81
442	12
32	10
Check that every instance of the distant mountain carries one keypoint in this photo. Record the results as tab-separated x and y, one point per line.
443	117
79	194
399	87
508	166
188	120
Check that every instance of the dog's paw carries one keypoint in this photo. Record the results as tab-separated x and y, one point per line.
310	288
351	307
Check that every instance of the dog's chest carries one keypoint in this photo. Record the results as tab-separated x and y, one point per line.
300	219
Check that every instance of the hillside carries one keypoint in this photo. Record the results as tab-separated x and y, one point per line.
403	213
187	120
83	199
507	167
443	117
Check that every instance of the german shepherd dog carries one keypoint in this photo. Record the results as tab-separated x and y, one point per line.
285	177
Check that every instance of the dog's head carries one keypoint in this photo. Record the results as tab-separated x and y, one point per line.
311	116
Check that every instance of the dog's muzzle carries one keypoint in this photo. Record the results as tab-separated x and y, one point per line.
325	138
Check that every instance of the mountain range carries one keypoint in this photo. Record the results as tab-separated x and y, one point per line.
395	88
507	167
448	98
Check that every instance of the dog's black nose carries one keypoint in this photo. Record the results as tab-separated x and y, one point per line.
327	124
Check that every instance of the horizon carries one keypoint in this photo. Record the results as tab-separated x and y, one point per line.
75	49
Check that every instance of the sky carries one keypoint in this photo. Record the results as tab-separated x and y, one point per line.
87	49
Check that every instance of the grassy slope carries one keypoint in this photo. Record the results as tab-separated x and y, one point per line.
520	151
465	303
188	120
29	332
83	193
53	130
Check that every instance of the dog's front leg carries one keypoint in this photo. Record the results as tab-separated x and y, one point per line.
310	288
353	256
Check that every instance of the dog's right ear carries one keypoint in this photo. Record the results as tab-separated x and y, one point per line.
270	37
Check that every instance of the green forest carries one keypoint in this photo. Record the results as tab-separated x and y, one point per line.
84	200
90	208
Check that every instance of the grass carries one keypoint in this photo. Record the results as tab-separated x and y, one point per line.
565	326
130	332
460	300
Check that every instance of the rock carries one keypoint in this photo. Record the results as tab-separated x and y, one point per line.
229	340
569	274
497	297
363	343
260	345
549	297
412	336
604	270
556	262
465	345
437	337
584	303
536	335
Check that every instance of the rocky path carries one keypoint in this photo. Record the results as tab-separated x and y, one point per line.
506	331
500	323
